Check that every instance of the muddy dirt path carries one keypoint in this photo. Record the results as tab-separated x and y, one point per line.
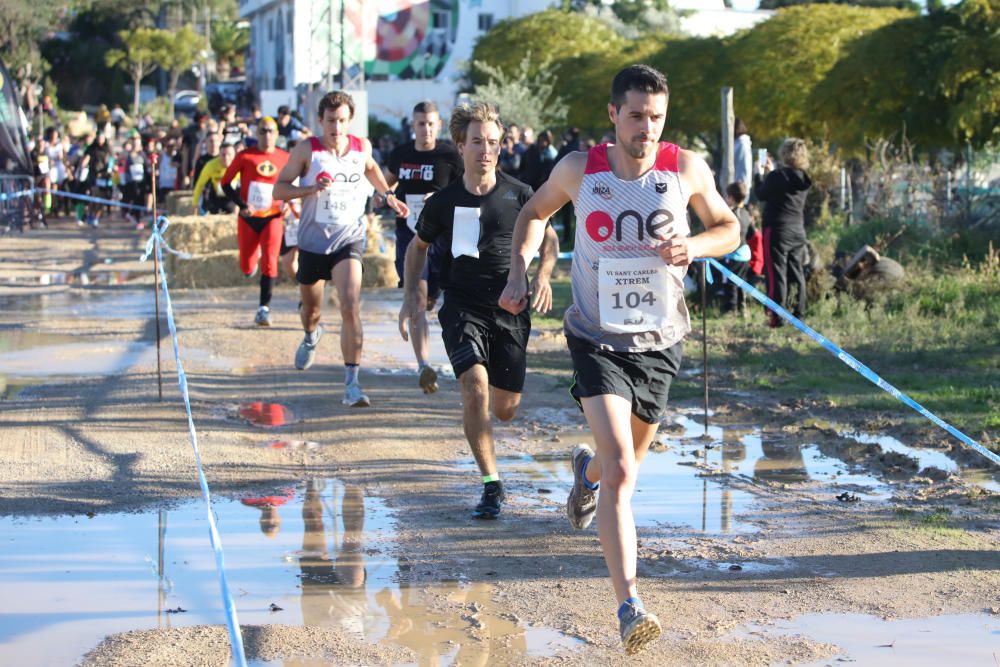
347	532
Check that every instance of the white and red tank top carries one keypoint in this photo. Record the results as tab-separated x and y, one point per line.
625	297
335	217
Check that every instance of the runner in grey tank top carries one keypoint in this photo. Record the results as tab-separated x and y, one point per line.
633	247
335	169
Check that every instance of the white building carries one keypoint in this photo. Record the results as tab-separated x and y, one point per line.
412	49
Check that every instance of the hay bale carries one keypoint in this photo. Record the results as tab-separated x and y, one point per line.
178	203
204	234
214	269
378	271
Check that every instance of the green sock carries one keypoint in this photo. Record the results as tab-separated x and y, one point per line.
491	478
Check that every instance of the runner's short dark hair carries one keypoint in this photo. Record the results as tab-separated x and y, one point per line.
334	100
426	107
737	190
640	78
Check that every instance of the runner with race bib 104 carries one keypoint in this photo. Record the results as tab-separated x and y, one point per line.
624	329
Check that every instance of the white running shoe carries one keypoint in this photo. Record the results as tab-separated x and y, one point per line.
263	317
354	397
306	354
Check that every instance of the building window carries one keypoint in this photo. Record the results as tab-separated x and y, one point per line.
440	19
485	22
290	22
270	30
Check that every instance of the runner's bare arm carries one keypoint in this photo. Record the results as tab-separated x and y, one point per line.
297	166
555	193
722	229
540	288
375	176
413	266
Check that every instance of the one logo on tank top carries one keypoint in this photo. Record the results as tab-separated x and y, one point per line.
603	191
416	172
267	169
601	227
338	177
510	195
661	188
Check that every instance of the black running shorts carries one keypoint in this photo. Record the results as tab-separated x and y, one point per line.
488	336
314	266
643	378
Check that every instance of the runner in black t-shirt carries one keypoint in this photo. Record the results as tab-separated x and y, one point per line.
474	219
417	169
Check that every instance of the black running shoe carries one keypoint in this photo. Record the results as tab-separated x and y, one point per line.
489	504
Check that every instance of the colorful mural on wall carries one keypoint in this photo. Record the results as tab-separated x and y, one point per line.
414	38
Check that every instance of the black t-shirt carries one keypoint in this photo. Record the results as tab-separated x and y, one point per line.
100	158
475	281
420	172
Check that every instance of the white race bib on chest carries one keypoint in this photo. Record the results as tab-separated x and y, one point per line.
260	196
634	294
465	232
333	204
416	204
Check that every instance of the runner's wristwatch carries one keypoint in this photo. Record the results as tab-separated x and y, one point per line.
389	193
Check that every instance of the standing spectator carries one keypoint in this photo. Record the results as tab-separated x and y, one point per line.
510	161
166	177
566	215
118	119
290	127
102	118
192	136
783	192
133	179
232	132
742	157
538	161
213	142
734	298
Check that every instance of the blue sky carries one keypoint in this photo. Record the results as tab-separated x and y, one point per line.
752	4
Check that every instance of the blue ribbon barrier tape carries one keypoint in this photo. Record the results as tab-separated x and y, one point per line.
235	636
95	200
8	196
856	365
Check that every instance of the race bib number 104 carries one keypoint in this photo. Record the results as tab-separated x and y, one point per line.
634	294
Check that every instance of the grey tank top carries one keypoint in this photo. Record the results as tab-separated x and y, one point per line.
625	297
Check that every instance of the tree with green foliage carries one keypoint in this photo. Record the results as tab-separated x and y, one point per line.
776	65
552	36
523	98
230	41
138	58
180	51
937	81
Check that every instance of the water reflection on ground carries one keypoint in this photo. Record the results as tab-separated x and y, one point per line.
314	553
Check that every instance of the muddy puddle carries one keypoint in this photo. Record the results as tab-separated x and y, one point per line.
313	553
966	639
29	358
687	476
76	278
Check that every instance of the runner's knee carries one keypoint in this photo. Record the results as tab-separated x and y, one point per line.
618	476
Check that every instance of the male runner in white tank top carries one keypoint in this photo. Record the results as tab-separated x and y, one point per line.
624	329
334	172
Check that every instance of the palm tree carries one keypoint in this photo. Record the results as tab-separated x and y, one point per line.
230	40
